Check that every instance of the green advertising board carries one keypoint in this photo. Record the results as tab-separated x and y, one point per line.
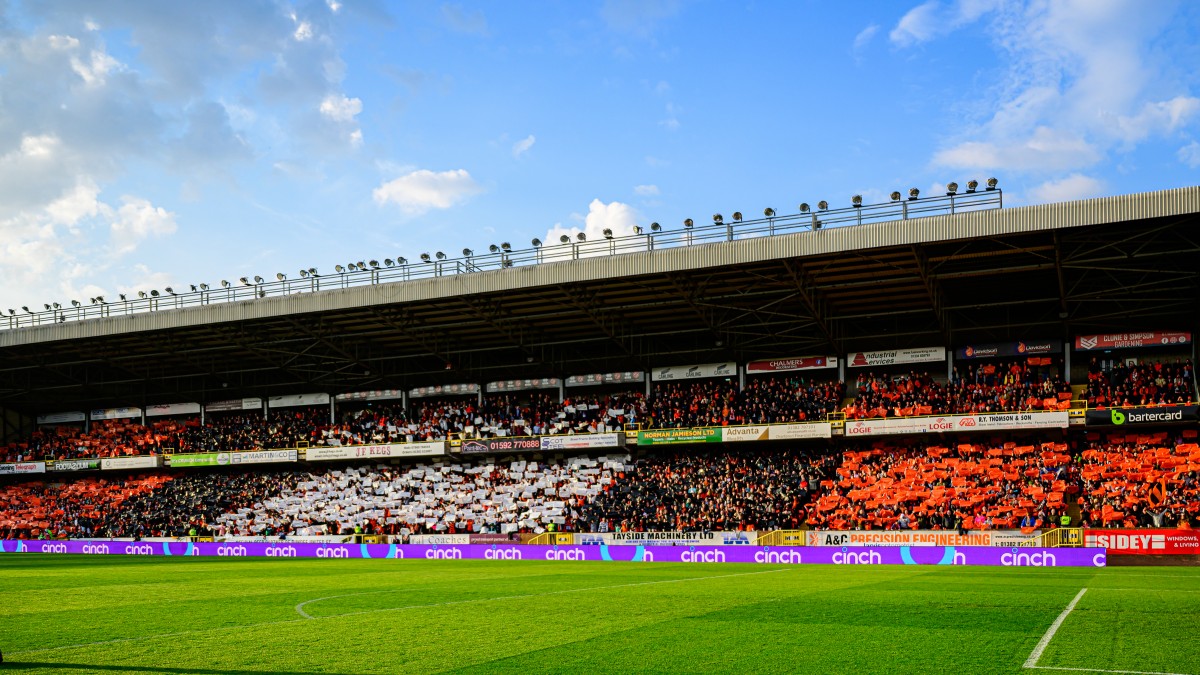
667	436
198	459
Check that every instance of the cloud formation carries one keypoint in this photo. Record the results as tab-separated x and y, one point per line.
522	146
422	190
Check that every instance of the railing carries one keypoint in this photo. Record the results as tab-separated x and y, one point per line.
1056	538
782	538
503	257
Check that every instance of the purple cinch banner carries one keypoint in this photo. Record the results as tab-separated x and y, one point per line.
798	555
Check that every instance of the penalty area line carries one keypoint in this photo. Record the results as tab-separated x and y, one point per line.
1036	654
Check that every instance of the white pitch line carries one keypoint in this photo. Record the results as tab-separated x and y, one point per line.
1036	654
1101	670
142	638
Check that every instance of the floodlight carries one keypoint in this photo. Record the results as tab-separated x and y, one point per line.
804	207
26	308
170	290
823	205
245	281
224	284
655	227
303	274
637	229
505	246
389	262
582	236
895	195
74	303
57	306
401	260
951	189
340	269
258	279
312	271
688	222
913	193
280	276
362	265
193	287
718	219
991	183
374	264
769	212
536	242
12	312
154	294
971	185
204	287
122	295
608	233
425	257
737	216
468	252
565	239
494	248
440	255
856	200
141	294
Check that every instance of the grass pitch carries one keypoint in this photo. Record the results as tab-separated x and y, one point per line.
72	614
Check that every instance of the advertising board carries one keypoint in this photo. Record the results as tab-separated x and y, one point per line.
896	356
581	442
423	449
670	436
1009	349
790	364
74	465
915	538
763	555
1145	542
114	463
1131	340
1058	419
667	373
507	444
1145	415
12	468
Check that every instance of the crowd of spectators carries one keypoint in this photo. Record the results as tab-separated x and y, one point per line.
1141	480
967	486
723	491
78	508
1153	383
1011	387
896	396
718	403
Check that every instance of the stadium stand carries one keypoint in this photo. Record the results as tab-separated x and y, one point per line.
1141	384
1141	480
83	507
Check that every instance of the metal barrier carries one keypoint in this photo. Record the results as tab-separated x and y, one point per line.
1057	538
782	538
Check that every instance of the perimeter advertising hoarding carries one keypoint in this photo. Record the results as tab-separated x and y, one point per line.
74	465
581	442
173	409
952	423
896	357
790	364
1145	542
669	436
230	458
294	400
666	538
375	395
605	378
425	449
1005	349
1130	340
115	413
22	468
523	385
824	555
129	463
234	404
916	538
507	444
777	432
1147	415
444	390
61	418
667	373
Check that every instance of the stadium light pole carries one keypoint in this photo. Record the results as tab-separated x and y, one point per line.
769	213
687	224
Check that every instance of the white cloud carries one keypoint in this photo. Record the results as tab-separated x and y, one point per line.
138	219
422	190
1190	155
304	31
615	216
334	5
339	108
646	190
356	138
671	122
95	71
522	146
1044	150
1161	117
932	19
1075	186
864	36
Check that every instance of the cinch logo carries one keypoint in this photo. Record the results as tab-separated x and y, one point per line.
332	552
565	554
702	556
967	422
54	548
137	549
502	553
852	558
1100	560
1041	559
98	548
281	551
1118	417
777	557
444	554
232	551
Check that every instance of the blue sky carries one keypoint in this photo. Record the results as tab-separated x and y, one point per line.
146	144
